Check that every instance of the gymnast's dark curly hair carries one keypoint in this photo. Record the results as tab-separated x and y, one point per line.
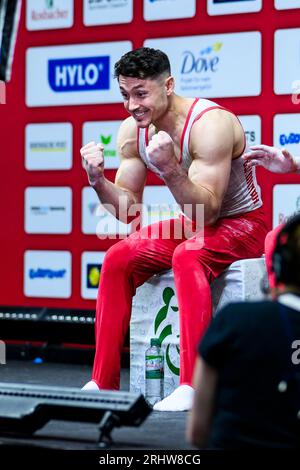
143	63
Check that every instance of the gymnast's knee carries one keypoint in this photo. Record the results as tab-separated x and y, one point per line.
117	257
183	257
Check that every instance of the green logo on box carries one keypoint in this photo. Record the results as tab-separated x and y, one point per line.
167	295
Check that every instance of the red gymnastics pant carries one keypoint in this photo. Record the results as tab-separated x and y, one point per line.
130	262
270	244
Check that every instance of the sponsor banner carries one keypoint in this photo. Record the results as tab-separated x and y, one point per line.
91	263
158	204
287	61
48	146
104	132
286	4
48	210
49	14
168	9
286	202
287	132
73	74
252	127
214	65
96	220
107	12
47	274
228	7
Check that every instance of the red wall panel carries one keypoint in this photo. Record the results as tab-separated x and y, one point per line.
15	115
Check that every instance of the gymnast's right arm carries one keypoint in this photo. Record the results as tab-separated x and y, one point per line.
127	189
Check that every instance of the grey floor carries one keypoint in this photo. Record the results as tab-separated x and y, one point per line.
159	431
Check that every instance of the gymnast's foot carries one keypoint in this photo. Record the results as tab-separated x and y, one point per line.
179	400
91	386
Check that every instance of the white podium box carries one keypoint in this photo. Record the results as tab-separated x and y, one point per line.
155	315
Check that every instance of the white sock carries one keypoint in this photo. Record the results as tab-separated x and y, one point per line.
91	386
179	400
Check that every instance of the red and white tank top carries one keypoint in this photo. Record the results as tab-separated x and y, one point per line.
243	193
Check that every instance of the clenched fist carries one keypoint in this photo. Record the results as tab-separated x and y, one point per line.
160	152
93	161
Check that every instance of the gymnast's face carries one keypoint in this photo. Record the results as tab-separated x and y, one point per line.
147	100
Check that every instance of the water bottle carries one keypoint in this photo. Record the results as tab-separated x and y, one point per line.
154	372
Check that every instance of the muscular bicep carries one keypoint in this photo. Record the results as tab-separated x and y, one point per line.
211	147
131	176
213	176
132	173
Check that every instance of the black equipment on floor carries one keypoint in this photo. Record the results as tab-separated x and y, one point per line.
26	408
47	324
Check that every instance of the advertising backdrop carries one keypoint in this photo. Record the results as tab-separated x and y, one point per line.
244	54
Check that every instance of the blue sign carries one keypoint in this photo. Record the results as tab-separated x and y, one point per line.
292	138
48	273
79	74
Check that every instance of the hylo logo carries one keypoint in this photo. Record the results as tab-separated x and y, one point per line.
79	74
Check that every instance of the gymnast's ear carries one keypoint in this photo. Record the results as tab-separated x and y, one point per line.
169	85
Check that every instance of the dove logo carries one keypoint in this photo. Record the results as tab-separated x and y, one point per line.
79	74
201	64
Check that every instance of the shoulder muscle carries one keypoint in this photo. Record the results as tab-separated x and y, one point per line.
127	139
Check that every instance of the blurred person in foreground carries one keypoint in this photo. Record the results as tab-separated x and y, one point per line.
247	374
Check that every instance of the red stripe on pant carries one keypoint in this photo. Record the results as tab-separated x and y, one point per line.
130	262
